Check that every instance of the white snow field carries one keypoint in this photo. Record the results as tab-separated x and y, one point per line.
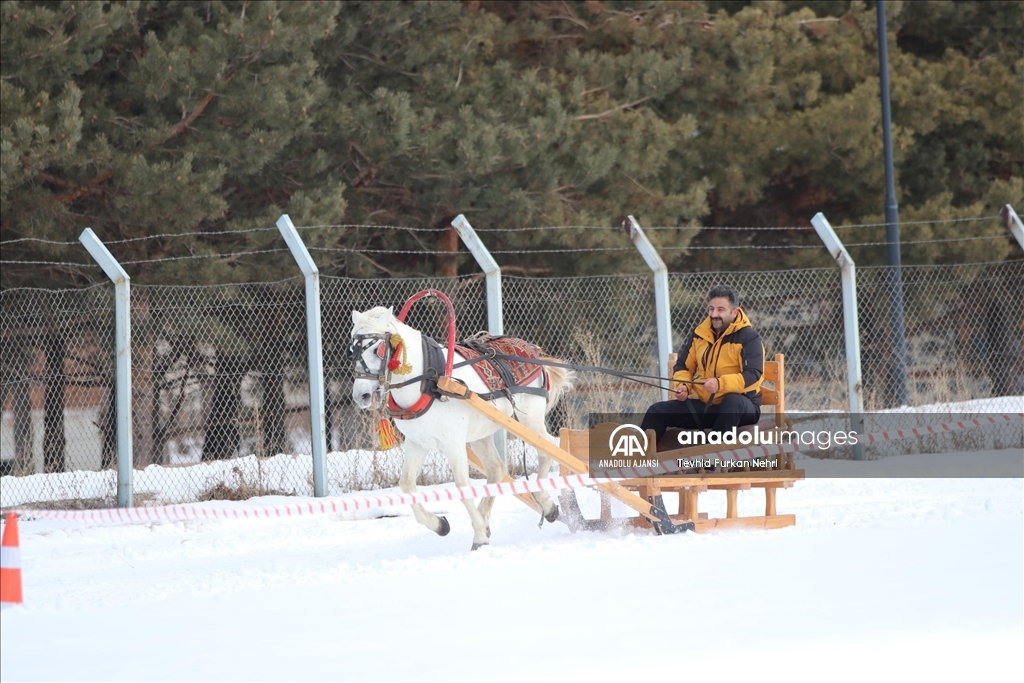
896	579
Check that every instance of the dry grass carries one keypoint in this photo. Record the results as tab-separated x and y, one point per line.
811	394
596	392
101	503
240	489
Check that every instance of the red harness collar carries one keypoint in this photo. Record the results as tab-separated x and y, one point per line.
413	411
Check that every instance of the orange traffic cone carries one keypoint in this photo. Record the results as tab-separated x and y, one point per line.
10	563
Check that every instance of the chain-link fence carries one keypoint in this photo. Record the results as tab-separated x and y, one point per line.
219	373
963	323
57	379
964	330
220	377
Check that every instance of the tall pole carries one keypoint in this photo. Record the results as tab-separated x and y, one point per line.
495	314
892	221
1013	222
851	324
662	311
492	273
314	345
122	361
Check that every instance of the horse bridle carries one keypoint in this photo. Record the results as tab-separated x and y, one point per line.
361	343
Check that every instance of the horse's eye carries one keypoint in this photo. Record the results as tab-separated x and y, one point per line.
380	350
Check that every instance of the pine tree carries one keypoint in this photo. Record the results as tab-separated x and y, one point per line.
176	126
517	114
541	115
955	71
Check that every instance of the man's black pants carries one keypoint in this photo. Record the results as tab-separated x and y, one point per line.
735	410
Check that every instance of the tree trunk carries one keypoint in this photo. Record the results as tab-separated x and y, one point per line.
273	408
328	419
173	392
54	442
142	403
22	398
447	264
221	428
1001	361
108	428
156	453
143	355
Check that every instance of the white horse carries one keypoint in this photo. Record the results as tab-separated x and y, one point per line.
447	426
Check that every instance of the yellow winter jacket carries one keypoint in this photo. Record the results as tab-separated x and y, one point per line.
736	358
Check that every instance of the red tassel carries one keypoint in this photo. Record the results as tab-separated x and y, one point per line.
396	358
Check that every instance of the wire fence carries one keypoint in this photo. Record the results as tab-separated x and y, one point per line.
965	326
220	379
57	378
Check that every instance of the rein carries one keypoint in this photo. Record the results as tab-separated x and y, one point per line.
632	376
383	376
391	350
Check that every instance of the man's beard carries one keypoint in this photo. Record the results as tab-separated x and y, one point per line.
717	324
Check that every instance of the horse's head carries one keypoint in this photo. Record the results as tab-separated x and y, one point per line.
370	350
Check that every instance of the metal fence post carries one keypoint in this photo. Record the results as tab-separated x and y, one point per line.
317	410
492	278
662	312
848	275
122	360
1013	223
492	273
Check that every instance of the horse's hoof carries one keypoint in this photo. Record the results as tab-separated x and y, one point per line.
444	527
553	515
477	546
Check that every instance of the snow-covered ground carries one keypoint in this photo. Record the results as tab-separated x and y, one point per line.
887	578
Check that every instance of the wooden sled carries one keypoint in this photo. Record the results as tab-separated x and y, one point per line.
689	488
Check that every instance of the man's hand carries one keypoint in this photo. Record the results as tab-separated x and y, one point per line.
711	384
681	393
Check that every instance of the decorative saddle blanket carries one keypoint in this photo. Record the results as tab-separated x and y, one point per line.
501	375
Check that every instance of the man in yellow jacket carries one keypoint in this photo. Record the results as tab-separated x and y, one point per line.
717	379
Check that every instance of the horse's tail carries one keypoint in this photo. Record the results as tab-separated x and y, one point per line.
561	380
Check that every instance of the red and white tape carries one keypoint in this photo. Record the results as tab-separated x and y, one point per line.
173	513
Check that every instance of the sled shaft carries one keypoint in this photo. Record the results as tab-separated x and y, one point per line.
563	458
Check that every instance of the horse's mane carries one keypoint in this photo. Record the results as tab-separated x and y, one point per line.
377	319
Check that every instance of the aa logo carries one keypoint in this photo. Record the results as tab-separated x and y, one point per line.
628	441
